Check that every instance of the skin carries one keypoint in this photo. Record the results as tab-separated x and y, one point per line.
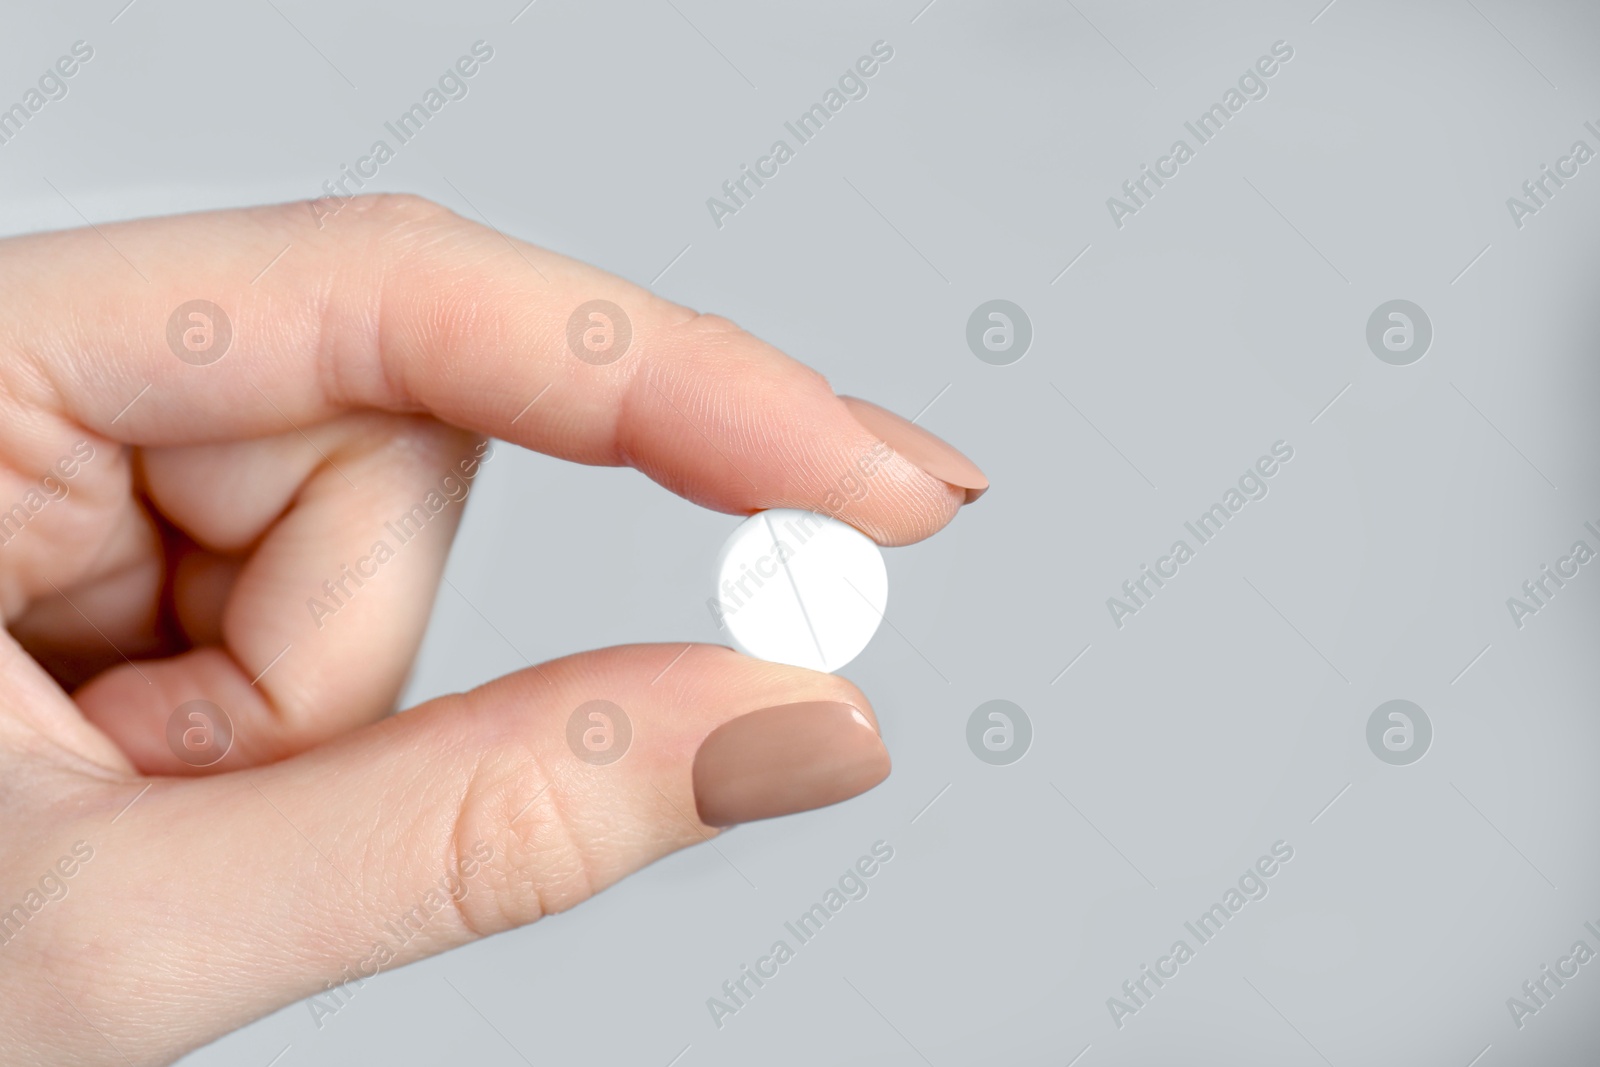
365	365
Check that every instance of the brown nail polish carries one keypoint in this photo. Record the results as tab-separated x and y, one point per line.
790	758
927	451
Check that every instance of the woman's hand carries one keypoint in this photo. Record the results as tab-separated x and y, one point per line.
192	502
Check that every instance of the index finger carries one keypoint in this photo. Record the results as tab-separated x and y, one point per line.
170	331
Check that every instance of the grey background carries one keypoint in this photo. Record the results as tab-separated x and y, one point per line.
1223	317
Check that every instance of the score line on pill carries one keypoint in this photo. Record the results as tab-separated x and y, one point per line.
800	588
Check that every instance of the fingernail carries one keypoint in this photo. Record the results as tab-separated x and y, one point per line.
931	453
790	758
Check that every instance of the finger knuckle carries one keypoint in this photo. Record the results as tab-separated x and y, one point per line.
706	326
399	209
716	341
382	209
516	822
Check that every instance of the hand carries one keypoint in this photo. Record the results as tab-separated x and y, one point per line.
173	517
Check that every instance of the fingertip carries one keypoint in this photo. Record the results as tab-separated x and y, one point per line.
928	451
786	759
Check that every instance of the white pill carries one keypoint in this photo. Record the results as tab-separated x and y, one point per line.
800	588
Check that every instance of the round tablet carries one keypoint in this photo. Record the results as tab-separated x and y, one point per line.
800	588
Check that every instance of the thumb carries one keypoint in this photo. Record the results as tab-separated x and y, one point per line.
463	817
